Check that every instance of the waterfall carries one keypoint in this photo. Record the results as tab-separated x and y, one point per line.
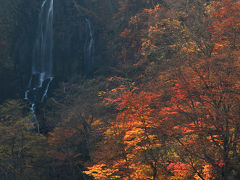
42	60
89	49
42	51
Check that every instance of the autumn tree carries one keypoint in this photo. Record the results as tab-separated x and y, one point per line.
68	146
206	115
182	122
139	150
22	149
226	28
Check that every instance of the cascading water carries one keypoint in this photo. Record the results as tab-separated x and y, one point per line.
89	49
42	57
42	60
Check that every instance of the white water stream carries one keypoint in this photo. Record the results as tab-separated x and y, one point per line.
42	61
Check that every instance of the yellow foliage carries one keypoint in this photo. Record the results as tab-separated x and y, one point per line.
101	172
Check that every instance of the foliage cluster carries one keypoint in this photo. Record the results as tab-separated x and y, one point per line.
169	111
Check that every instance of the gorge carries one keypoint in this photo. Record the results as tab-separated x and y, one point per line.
119	89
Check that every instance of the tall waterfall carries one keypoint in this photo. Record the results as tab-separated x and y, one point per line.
89	49
42	61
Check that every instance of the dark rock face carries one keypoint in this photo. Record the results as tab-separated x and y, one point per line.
20	43
69	38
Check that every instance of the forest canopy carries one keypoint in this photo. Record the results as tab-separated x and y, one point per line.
160	98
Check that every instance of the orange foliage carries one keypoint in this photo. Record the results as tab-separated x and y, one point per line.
226	26
189	129
65	139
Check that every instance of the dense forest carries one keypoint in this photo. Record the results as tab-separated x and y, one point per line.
119	89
